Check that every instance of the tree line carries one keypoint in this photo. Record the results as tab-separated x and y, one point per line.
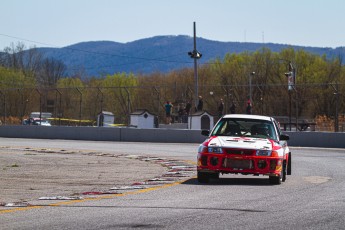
30	82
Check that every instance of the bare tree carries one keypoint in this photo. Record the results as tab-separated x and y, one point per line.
50	72
26	61
31	62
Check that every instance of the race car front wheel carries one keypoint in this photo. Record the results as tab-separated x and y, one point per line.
289	164
284	172
276	179
203	177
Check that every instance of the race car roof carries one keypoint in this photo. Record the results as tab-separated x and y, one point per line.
248	116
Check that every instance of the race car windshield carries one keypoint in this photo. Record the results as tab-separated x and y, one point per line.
240	127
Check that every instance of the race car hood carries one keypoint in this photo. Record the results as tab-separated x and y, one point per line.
240	142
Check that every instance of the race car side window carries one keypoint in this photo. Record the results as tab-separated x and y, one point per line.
218	130
277	127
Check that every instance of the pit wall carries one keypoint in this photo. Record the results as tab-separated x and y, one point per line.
297	139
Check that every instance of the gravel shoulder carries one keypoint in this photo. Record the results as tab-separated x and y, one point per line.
28	174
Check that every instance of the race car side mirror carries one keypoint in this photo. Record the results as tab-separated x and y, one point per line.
284	137
205	132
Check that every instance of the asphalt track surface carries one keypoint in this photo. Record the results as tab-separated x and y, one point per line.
313	197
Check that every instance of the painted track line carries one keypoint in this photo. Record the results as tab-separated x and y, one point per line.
103	197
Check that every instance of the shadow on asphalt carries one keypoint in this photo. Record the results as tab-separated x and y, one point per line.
261	181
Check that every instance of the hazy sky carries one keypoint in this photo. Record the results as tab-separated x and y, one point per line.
61	23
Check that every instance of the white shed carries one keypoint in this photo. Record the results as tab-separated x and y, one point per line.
105	119
142	119
201	120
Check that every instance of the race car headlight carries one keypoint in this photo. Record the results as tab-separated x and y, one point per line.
263	152
202	149
215	150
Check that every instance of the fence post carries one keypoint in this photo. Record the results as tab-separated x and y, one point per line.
158	103
60	108
99	90
80	103
4	98
39	92
128	105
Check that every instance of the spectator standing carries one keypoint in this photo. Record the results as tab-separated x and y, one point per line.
187	112
220	108
249	108
168	109
233	108
188	107
200	104
181	114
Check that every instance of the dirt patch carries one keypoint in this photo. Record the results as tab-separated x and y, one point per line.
28	174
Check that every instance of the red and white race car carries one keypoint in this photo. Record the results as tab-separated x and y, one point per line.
244	144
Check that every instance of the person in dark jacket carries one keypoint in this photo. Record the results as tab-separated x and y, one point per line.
233	108
220	108
249	108
168	109
200	104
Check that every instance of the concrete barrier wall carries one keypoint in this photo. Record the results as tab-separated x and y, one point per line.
317	139
61	132
302	139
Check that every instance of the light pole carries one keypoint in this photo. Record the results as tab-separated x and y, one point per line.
291	76
195	55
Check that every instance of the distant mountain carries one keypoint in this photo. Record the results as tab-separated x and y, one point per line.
160	53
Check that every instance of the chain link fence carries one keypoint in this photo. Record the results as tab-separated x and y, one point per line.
320	107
